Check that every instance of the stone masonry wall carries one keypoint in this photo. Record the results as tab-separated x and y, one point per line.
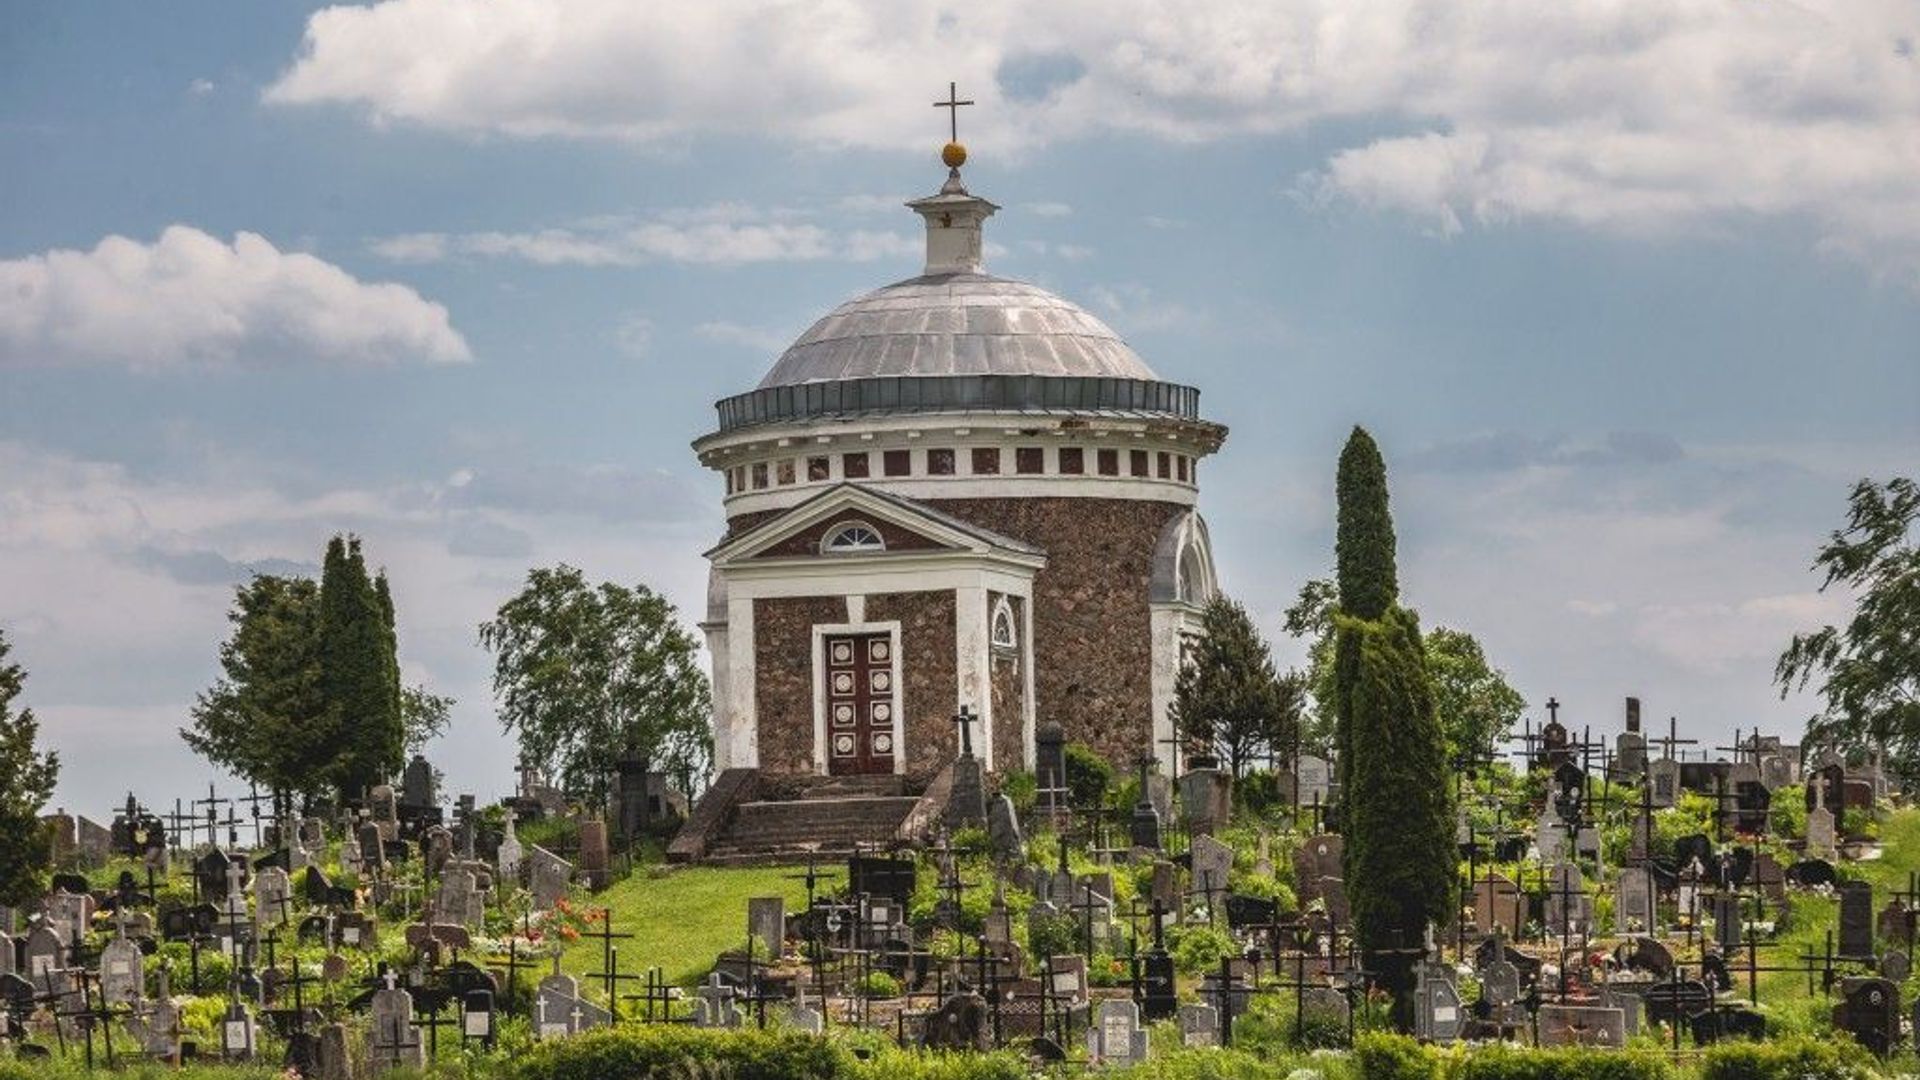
783	685
931	687
1093	649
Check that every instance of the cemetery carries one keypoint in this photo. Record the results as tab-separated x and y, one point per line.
983	776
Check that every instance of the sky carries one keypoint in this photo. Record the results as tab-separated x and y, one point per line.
1629	293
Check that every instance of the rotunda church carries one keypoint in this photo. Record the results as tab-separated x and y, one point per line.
957	492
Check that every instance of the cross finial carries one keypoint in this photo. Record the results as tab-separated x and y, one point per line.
1553	709
952	105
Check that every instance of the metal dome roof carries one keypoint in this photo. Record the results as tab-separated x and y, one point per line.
956	324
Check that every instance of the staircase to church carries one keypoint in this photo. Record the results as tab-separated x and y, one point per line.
773	819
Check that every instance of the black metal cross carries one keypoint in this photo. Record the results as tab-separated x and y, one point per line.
953	105
964	719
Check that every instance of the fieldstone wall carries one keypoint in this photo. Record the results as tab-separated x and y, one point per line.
783	687
931	686
1093	648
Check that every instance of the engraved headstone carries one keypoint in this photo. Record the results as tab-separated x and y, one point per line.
122	972
1437	1016
1116	1037
509	855
1582	1025
392	1040
550	875
1633	904
272	893
767	921
1199	1024
1212	865
1569	908
1499	903
594	857
1003	829
384	812
1663	782
1856	920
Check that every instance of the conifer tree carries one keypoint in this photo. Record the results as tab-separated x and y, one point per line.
26	783
357	669
1227	696
1394	801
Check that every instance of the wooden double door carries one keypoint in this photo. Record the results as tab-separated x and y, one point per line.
860	711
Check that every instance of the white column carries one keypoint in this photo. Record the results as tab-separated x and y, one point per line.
742	734
973	666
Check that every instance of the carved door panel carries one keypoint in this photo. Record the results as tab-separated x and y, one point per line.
859	703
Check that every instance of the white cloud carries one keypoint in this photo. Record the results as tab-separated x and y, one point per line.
1637	115
1138	310
200	87
634	336
732	333
724	235
1048	209
190	300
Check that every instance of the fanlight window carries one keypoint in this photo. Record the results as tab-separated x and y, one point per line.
1003	636
856	537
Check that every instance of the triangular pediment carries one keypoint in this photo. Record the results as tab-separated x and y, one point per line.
899	527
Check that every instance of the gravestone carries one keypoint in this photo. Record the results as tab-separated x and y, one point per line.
767	921
1003	829
1206	800
1050	766
1582	1025
1586	843
1663	783
384	813
1630	747
1316	780
967	795
1633	904
594	856
436	845
1856	920
1499	983
716	1008
1116	1037
237	1033
1896	965
272	891
1199	1024
354	930
373	849
1727	925
1897	922
509	855
93	842
559	1010
416	785
1550	835
1163	887
1869	1010
122	972
1212	865
550	876
1499	903
960	1023
460	899
1822	839
392	1041
1569	908
1328	1008
1437	1013
1777	771
1160	793
1314	861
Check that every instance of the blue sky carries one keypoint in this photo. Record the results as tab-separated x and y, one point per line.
1630	297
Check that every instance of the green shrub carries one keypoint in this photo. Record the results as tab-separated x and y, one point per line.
1088	775
1257	794
1798	1058
1382	1056
1019	786
878	984
641	1053
1199	949
1503	1062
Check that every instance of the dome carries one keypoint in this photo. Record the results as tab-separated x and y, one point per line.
956	324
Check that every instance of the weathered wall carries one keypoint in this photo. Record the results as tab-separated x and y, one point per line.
1093	648
931	686
783	686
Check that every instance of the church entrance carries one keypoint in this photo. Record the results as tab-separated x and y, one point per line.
859	703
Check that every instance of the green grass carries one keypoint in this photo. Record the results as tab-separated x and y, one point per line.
681	919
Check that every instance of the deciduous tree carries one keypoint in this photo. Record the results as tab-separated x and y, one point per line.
1867	672
27	776
1227	696
591	674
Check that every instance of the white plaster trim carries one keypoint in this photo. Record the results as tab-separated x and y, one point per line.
856	608
1029	710
820	633
1169	622
935	488
860	499
741	726
973	664
783	581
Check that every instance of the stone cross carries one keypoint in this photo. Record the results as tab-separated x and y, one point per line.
964	720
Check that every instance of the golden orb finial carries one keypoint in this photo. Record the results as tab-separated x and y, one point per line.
953	155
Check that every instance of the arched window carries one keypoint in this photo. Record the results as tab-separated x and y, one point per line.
855	537
1002	634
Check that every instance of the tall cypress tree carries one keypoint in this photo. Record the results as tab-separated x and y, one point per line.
1394	802
357	669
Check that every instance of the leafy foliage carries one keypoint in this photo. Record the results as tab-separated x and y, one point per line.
1475	704
309	695
26	783
1868	671
1799	1058
1089	776
589	675
1227	696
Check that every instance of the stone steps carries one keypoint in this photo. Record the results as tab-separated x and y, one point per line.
811	824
